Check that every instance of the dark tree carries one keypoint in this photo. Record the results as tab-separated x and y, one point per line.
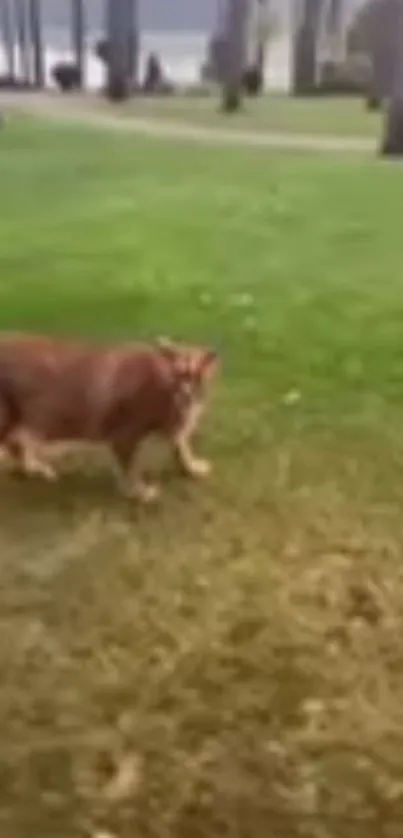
22	38
234	54
264	26
78	37
305	47
35	29
373	33
133	43
392	141
7	35
382	50
121	41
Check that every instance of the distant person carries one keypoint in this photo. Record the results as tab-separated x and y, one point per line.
154	79
153	75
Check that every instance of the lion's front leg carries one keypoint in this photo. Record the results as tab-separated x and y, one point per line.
132	482
27	454
182	439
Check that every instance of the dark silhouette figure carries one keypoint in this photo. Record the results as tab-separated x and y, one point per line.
252	80
153	76
67	76
154	79
101	50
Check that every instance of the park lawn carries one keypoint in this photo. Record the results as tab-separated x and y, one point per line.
344	117
228	663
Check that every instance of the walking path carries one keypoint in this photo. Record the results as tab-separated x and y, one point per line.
86	111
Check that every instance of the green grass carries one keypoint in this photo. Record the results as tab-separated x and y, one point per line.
341	117
238	648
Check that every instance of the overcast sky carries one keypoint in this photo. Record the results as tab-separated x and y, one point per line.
154	14
173	15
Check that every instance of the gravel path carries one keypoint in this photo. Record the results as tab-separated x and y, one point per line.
86	111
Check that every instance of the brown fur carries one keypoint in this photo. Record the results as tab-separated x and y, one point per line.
54	391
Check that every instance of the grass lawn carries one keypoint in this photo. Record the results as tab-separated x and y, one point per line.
341	117
229	663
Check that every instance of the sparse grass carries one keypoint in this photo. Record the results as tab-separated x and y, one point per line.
340	117
230	663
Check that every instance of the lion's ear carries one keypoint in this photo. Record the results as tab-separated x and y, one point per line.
209	364
167	347
165	343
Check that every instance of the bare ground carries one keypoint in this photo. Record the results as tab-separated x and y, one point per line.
85	110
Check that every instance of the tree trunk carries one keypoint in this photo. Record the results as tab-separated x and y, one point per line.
133	47
118	37
8	37
236	31
35	23
261	58
334	31
305	47
262	39
78	37
392	144
22	38
392	141
384	23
